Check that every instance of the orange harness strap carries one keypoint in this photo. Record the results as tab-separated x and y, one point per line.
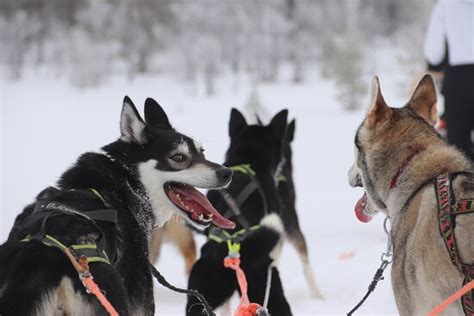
441	307
245	308
82	268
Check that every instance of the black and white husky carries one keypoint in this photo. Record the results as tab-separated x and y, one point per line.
146	176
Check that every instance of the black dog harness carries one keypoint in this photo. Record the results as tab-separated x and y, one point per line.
45	210
82	254
220	235
448	209
234	240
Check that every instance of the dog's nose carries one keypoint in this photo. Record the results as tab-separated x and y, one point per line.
354	177
224	174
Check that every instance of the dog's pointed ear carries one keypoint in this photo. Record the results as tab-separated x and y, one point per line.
423	101
379	110
131	124
237	122
278	124
290	130
155	116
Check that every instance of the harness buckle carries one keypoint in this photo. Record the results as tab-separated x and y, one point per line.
262	312
387	256
234	249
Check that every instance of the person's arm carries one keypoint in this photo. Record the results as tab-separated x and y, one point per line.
435	40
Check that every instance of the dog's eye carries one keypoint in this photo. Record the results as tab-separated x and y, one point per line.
178	157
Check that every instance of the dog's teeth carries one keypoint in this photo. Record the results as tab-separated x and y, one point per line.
210	215
201	217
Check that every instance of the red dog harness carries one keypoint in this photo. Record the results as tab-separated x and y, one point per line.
448	209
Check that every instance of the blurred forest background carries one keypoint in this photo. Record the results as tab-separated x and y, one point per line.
88	41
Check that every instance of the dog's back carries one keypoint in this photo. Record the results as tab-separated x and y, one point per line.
37	279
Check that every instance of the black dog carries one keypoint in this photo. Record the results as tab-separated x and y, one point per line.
109	201
257	149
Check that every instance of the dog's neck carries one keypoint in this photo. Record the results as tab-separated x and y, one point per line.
401	169
153	190
417	170
140	201
266	179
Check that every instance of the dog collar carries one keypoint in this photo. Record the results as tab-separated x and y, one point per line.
394	182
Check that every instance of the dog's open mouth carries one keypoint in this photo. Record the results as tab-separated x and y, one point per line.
363	211
195	205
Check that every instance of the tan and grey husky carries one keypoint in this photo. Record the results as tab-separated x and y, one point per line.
399	155
180	236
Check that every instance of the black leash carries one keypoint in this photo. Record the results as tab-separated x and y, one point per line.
386	260
161	279
377	277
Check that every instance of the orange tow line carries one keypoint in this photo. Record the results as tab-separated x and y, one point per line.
457	295
245	308
82	268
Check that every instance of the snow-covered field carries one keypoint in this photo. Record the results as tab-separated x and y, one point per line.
46	124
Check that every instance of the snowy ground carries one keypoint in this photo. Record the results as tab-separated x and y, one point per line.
46	124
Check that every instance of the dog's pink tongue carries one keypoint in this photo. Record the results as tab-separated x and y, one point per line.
190	194
360	210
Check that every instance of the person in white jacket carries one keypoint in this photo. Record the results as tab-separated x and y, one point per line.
451	29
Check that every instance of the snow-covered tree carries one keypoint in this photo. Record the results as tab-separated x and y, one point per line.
203	39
